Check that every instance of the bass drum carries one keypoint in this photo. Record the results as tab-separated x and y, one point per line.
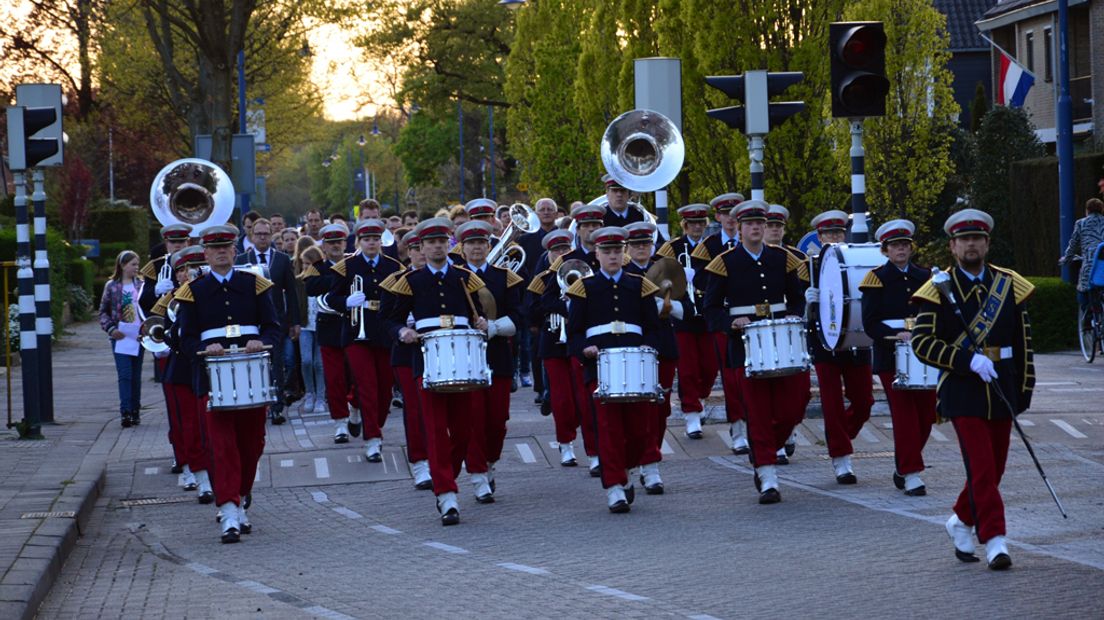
842	268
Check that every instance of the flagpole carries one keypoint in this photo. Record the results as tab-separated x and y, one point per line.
1006	53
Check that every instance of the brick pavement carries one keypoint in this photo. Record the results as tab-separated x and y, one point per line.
548	547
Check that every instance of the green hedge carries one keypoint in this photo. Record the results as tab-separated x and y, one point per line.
1053	311
125	225
82	272
60	254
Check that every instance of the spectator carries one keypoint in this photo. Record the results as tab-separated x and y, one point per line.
244	243
394	223
119	318
288	237
314	382
314	223
278	224
410	219
1088	233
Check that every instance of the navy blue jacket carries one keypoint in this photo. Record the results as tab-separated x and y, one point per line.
597	300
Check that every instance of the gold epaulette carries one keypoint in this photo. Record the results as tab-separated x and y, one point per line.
577	288
474	281
1022	289
793	263
870	281
393	259
928	292
339	267
457	249
537	285
310	272
666	250
263	284
625	260
184	293
161	308
512	279
389	281
556	263
716	265
151	270
647	287
400	286
701	252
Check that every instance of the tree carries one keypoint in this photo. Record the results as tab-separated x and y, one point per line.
425	144
597	74
76	189
978	107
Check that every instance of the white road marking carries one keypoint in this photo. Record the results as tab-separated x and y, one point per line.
1091	389
703	617
887	425
444	547
323	612
287	462
525	452
345	512
1039	383
665	449
800	438
150	471
1070	430
382	462
621	594
555	445
257	476
868	436
305	443
383	529
1026	423
301	432
353	458
532	570
321	468
202	569
256	586
320	497
395	462
938	435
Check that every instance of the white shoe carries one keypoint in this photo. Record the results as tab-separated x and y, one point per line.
229	524
842	467
913	482
308	403
244	526
420	471
738	432
594	467
567	455
961	534
996	553
449	508
319	405
615	499
693	425
203	484
653	484
483	492
341	432
354	415
187	479
372	449
768	477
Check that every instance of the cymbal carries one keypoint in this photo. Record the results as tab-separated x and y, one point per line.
667	274
487	300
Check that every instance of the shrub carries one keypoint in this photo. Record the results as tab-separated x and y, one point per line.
81	273
80	302
60	254
1053	311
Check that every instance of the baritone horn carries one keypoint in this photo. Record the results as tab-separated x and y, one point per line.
151	334
568	273
506	253
192	191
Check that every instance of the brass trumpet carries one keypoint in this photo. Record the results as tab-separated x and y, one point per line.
357	313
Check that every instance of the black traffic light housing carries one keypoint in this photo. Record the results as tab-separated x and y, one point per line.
859	83
26	149
755	88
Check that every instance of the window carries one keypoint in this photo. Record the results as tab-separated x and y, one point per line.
1048	54
1029	51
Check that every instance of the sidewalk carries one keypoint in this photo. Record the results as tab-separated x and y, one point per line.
48	488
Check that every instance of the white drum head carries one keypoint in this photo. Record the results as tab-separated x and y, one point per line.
833	293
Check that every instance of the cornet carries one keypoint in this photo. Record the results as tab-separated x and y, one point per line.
357	313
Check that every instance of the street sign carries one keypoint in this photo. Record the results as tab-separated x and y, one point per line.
243	155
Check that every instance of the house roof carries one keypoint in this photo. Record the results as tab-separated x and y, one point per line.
1004	6
961	15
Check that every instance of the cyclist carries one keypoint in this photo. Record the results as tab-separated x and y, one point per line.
1088	234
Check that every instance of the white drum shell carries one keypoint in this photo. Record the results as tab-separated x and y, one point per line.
628	375
775	348
454	360
240	381
843	266
912	374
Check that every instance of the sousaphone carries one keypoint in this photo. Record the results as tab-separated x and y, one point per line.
192	191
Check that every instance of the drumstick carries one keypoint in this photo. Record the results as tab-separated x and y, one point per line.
204	353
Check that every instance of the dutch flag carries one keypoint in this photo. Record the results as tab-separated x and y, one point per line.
1014	82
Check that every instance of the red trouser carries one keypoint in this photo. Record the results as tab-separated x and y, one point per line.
337	387
490	408
697	369
236	440
570	405
774	408
913	413
624	434
654	452
412	415
372	381
588	413
842	425
735	404
186	413
448	427
174	424
984	445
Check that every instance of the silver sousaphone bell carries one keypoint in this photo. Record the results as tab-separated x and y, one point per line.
194	192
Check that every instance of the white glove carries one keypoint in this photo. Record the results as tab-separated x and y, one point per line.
502	327
983	366
812	295
354	300
410	320
676	310
161	354
492	329
689	271
162	287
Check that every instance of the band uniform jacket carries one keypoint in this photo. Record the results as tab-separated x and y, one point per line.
427	296
178	366
545	299
149	272
531	243
590	258
597	300
938	341
402	354
887	296
738	280
666	342
820	353
207	304
372	274
711	247
285	296
505	286
632	215
693	320
318	280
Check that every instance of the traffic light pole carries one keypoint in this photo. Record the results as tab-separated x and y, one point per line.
28	342
859	230
755	156
44	323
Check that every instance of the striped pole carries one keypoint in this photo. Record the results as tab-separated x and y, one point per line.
859	231
755	155
44	322
28	340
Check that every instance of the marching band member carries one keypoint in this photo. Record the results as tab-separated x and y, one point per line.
440	296
369	358
703	254
186	408
319	279
613	308
987	376
697	360
477	209
640	248
228	308
617	211
402	360
565	373
887	312
774	234
175	238
753	282
839	373
490	408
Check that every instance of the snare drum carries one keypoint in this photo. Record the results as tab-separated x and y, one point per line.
240	381
455	360
775	348
842	268
628	375
912	374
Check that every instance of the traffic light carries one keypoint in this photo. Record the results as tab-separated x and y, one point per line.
755	88
40	125
859	84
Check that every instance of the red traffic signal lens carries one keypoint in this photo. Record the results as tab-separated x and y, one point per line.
862	45
864	93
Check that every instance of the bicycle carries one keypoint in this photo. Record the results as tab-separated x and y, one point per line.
1090	323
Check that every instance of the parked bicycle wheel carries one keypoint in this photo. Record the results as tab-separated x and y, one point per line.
1086	334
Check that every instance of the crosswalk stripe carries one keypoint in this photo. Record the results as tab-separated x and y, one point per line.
1070	430
321	468
938	435
150	471
287	462
1026	423
868	436
800	438
525	452
665	448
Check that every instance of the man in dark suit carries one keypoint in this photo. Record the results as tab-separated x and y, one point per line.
278	269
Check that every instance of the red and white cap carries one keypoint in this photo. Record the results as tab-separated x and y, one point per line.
609	237
370	227
557	239
474	231
725	202
968	222
692	212
833	219
895	230
481	207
